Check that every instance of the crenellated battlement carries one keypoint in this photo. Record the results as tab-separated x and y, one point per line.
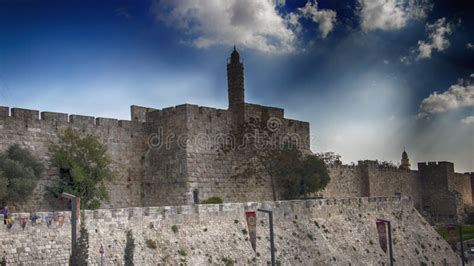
374	164
35	116
184	213
435	164
440	167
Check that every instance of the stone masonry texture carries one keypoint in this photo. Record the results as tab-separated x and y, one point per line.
312	232
176	156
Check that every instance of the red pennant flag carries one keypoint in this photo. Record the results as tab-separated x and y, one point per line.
251	218
382	231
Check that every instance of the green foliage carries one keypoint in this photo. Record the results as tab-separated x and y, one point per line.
3	186
467	233
228	262
330	158
129	249
151	244
81	254
19	173
212	200
182	252
470	218
299	175
174	228
83	168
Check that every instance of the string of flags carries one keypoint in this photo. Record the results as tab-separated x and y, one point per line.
35	219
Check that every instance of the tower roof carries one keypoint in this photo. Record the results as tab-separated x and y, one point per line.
234	56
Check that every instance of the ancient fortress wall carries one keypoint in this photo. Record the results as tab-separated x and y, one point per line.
436	190
346	181
461	183
322	232
36	132
160	157
216	166
165	160
45	239
369	179
385	181
438	200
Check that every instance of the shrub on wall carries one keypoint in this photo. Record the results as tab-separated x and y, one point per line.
83	167
299	175
81	255
129	249
212	200
19	173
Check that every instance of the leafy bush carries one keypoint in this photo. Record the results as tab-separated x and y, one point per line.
174	228
212	200
81	254
83	168
151	244
228	262
299	175
19	173
470	218
129	252
182	252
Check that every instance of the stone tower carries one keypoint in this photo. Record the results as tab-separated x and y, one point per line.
235	87
405	163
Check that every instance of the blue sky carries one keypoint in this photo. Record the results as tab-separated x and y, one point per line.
364	73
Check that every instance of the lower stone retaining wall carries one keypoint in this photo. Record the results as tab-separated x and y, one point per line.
322	232
45	238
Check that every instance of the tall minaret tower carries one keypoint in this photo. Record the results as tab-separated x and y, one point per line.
235	87
405	162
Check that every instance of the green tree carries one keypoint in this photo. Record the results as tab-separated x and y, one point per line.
298	175
83	168
129	251
19	174
81	255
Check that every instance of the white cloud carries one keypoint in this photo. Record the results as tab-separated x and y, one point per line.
457	96
391	14
325	18
438	34
470	46
248	23
469	120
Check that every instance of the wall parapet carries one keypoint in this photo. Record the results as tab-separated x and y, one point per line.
21	114
176	214
22	221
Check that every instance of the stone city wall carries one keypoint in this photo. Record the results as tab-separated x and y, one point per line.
38	131
323	232
386	181
462	184
346	181
165	181
44	239
216	165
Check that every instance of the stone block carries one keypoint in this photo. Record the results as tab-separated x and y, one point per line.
106	122
81	120
25	114
4	111
51	116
